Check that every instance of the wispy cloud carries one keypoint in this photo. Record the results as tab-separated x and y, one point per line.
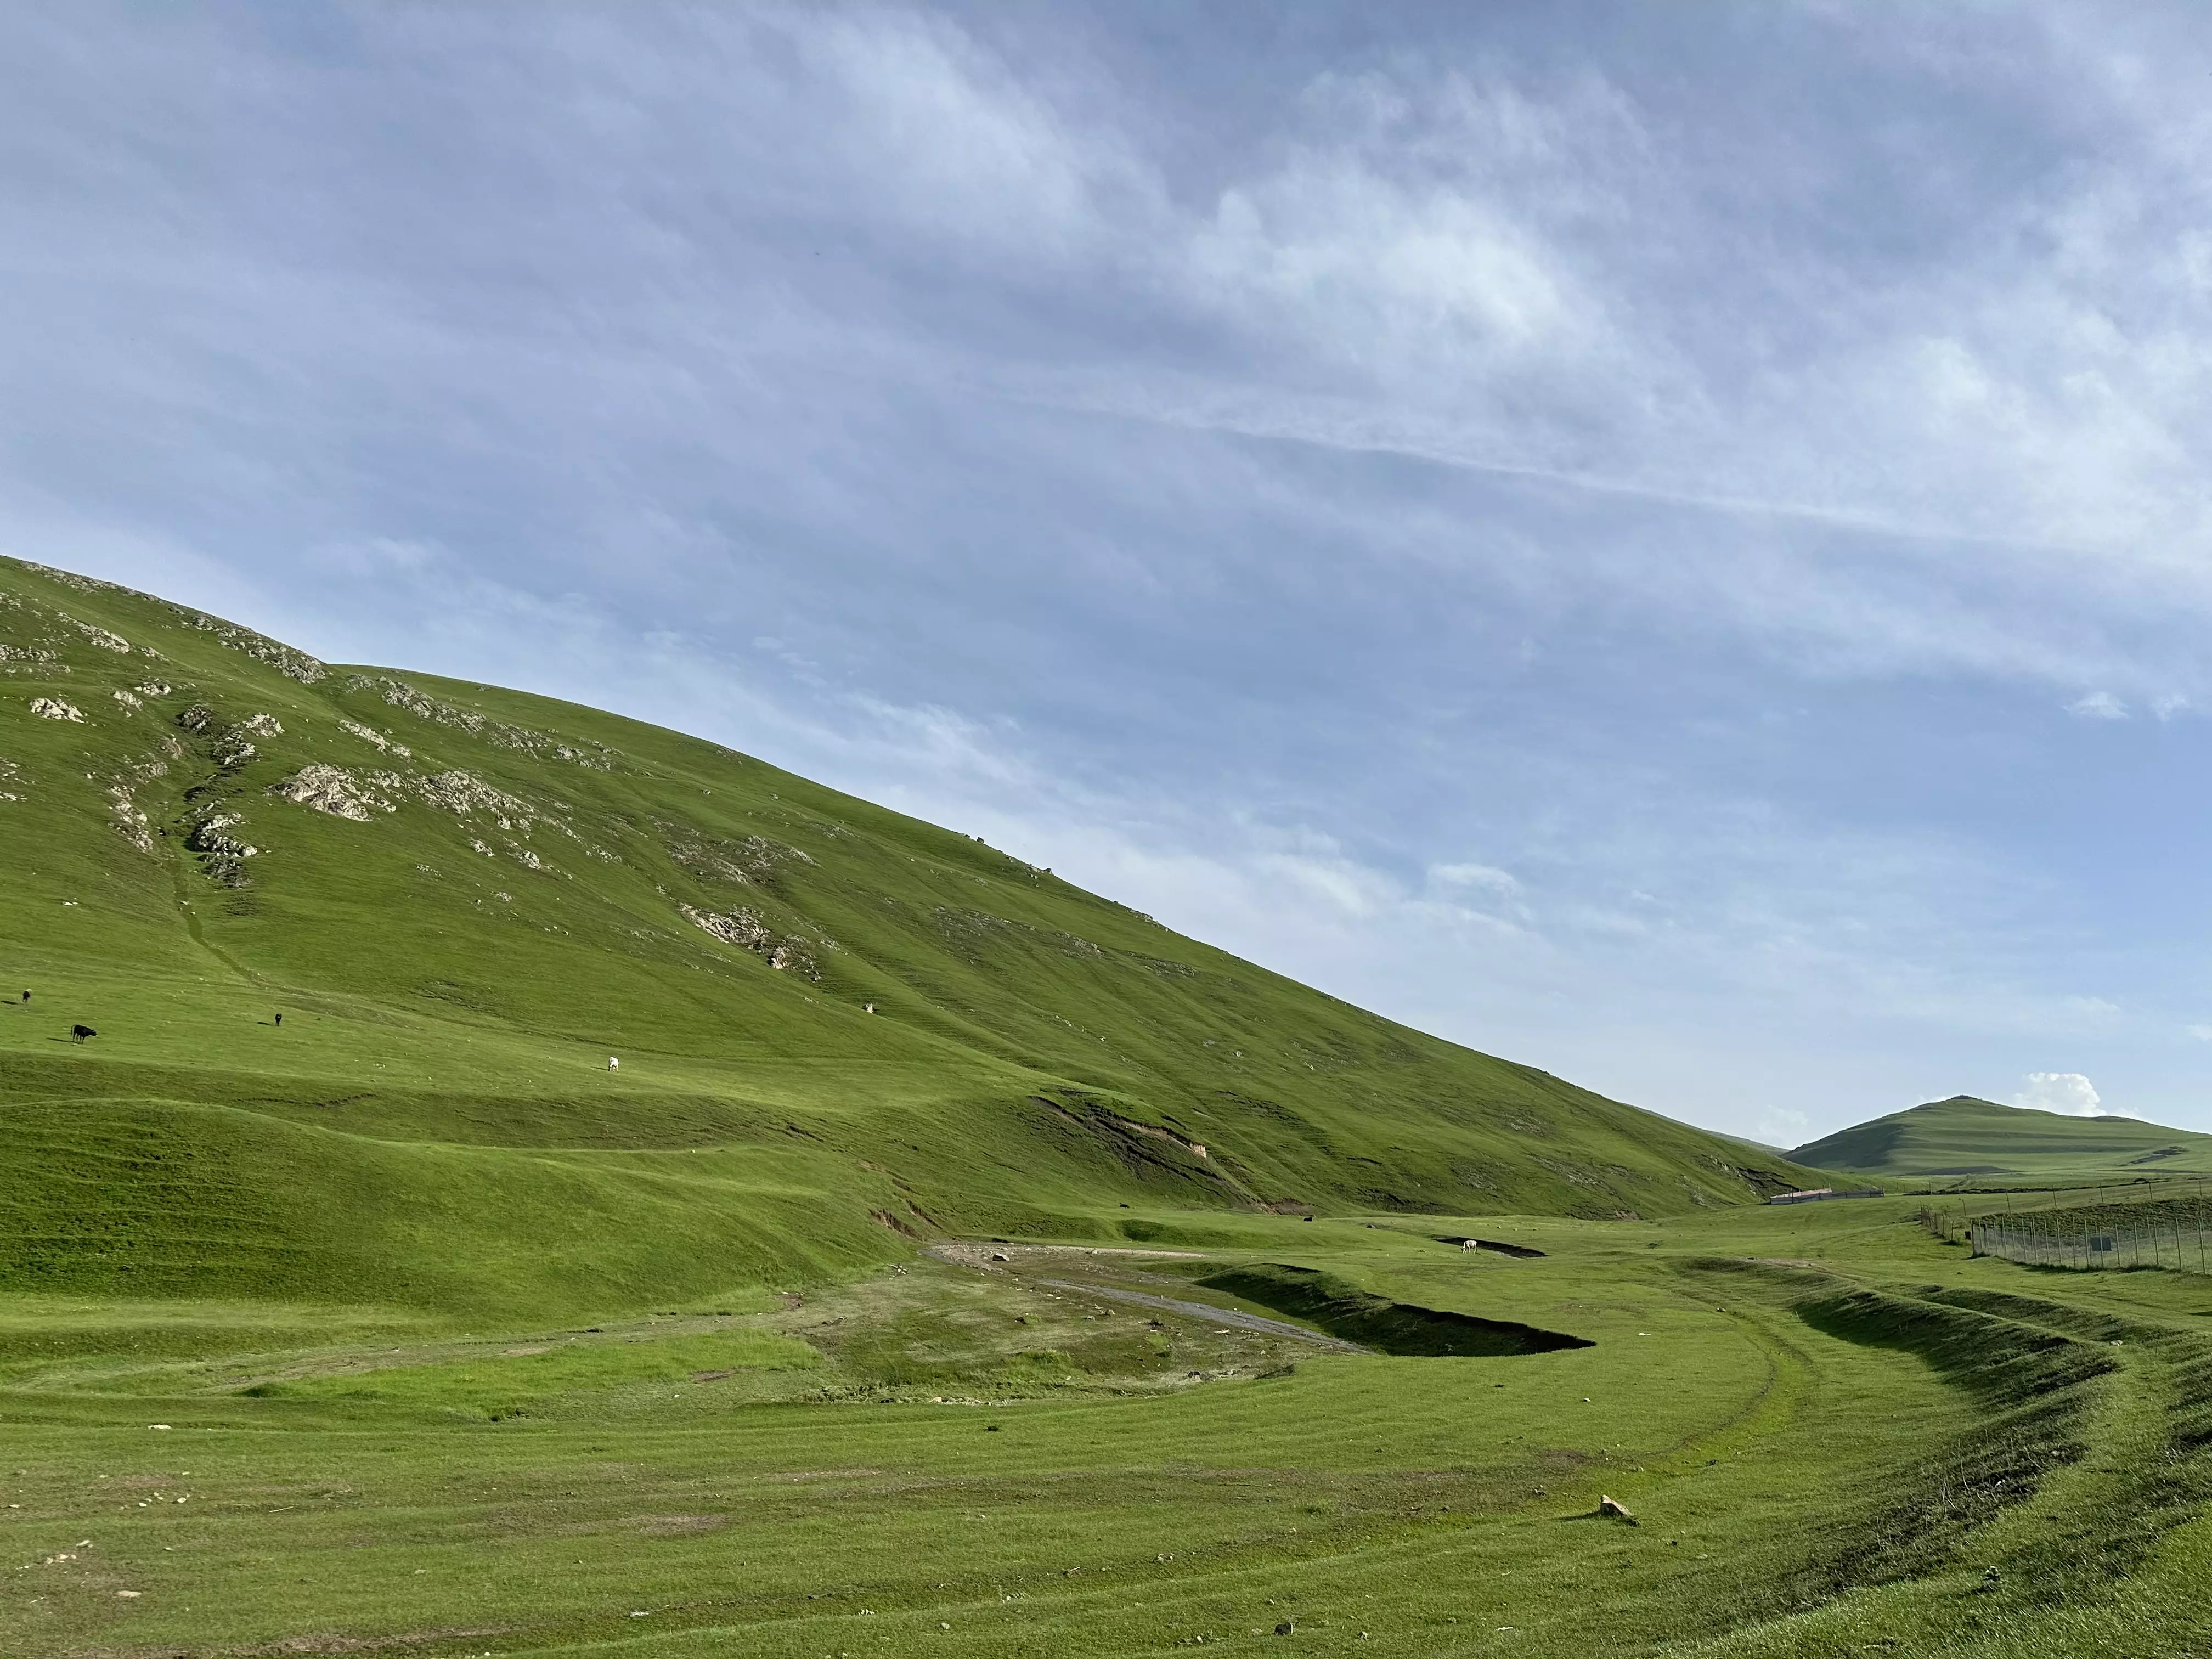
2098	706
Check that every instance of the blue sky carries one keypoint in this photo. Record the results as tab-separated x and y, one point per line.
1669	543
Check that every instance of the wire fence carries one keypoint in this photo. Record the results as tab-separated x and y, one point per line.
2107	1235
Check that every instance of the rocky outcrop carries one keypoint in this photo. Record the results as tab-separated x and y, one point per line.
400	694
739	927
128	819
293	665
786	954
376	739
99	635
222	855
322	787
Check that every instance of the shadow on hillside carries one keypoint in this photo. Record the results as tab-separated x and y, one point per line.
1393	1327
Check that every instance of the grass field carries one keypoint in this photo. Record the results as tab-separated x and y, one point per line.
1838	1436
1096	1293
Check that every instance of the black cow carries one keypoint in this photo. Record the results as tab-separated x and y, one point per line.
79	1033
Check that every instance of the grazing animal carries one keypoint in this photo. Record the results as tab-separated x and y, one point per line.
868	1007
79	1033
280	1019
613	1065
27	996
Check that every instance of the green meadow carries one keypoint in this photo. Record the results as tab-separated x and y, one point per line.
954	1263
1835	1435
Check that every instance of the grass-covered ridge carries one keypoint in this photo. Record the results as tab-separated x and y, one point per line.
1969	1139
463	901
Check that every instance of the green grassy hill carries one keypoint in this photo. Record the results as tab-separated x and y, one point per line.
463	902
406	1325
1964	1136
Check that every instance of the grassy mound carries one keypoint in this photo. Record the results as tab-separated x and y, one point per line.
1965	1137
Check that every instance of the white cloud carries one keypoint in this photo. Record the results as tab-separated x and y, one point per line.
1481	876
2068	1093
2098	706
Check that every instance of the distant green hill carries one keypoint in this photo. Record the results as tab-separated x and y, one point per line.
465	902
1964	1136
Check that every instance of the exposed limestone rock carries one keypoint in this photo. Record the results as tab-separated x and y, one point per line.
231	747
53	708
128	702
465	795
152	689
70	578
231	751
739	927
128	821
463	792
26	653
222	855
795	956
376	739
748	933
293	665
99	635
207	834
400	694
754	858
333	790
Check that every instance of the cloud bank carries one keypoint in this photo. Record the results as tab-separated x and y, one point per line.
1675	550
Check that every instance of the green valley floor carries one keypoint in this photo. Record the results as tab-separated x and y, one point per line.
1834	1433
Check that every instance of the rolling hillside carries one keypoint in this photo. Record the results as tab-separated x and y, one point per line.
351	1302
464	902
1964	1136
